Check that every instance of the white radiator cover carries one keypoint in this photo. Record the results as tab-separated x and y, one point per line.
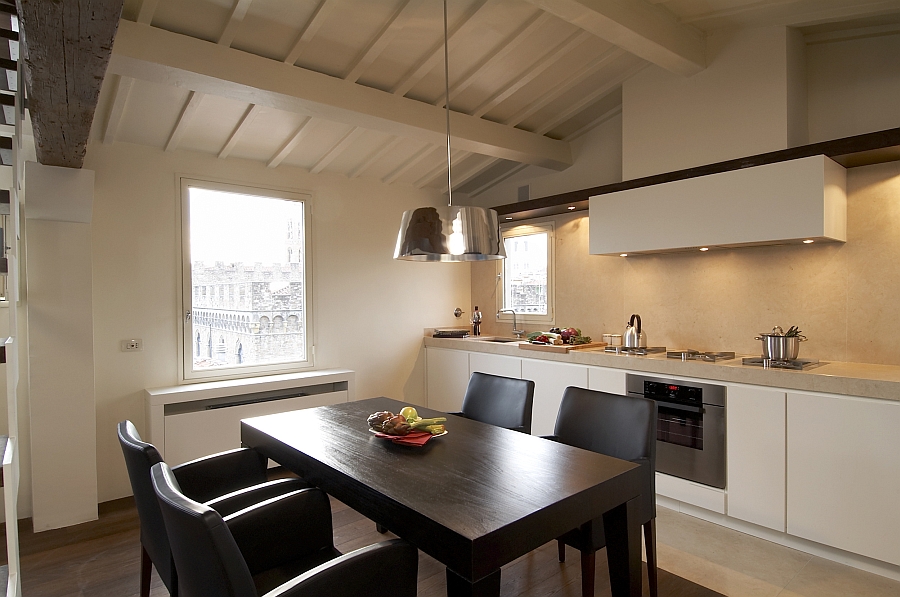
781	203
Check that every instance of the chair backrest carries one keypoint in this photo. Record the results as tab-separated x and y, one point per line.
619	426
501	401
139	458
205	552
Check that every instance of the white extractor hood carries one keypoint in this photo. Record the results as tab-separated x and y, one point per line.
780	203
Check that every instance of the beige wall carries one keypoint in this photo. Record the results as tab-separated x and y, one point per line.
369	310
737	106
854	86
843	296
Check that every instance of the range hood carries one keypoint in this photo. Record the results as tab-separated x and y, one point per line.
781	203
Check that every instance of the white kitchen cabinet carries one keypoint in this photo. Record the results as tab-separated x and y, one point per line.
495	364
447	375
550	381
844	473
755	435
611	381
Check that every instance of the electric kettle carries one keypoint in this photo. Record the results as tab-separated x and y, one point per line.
633	336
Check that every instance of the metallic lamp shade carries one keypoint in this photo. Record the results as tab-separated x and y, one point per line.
449	234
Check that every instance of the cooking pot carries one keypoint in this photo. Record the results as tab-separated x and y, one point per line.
633	336
778	347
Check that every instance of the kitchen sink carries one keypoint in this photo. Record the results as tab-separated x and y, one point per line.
498	339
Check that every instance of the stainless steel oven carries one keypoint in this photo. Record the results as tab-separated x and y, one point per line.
690	435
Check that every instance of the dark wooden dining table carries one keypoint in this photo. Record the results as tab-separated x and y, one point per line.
474	499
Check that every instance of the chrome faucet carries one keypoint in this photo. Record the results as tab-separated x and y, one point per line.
518	333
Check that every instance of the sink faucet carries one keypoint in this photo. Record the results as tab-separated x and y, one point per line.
518	333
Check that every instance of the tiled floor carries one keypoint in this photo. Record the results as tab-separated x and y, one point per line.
738	565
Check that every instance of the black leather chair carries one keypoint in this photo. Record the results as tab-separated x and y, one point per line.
502	401
619	426
228	482
280	547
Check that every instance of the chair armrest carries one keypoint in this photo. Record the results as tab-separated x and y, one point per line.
211	476
282	528
244	498
386	569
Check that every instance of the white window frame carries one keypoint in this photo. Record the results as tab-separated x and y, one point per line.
185	346
513	230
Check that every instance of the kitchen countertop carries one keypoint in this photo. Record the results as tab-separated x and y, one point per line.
849	379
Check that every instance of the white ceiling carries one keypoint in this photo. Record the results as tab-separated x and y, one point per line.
356	87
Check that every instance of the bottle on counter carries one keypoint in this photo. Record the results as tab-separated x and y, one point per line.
476	322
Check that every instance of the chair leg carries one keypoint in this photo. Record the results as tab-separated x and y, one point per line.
588	561
562	550
650	546
145	572
380	529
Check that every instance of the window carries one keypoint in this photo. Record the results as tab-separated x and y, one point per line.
251	243
527	273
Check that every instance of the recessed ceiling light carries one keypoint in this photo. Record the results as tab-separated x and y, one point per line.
508	218
704	248
808	241
571	208
623	254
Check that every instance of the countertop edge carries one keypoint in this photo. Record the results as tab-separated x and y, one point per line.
864	380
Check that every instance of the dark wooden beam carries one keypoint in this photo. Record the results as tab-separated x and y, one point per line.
66	45
850	152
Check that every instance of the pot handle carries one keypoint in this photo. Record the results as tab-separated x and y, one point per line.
759	338
802	338
631	323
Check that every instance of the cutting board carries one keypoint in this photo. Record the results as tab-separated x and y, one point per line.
561	348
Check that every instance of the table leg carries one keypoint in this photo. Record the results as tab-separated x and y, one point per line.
623	549
457	586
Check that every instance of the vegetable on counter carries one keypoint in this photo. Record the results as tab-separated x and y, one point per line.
556	336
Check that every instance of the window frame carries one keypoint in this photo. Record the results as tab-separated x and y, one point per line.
514	230
185	328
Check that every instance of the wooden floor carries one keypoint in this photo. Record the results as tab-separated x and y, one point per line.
101	559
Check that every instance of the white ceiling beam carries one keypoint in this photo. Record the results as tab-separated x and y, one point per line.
436	54
494	182
148	8
289	146
559	89
594	123
505	48
239	130
592	97
234	21
390	30
474	171
441	169
184	119
309	31
767	13
375	156
532	72
638	27
120	98
409	164
160	56
335	151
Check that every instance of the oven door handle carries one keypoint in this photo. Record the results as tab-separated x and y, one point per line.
676	406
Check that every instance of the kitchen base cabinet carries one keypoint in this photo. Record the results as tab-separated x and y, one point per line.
447	375
495	364
844	473
550	381
611	381
755	436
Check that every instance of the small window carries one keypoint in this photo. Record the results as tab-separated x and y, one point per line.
228	242
527	273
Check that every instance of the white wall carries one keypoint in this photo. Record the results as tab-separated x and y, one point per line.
369	310
598	161
737	106
854	86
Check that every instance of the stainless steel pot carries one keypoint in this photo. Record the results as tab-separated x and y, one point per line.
778	347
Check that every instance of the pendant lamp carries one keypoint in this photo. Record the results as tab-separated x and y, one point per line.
452	233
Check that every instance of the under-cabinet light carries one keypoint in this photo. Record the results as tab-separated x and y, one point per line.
704	248
808	241
623	254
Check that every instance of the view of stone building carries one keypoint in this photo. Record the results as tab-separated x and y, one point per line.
247	314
